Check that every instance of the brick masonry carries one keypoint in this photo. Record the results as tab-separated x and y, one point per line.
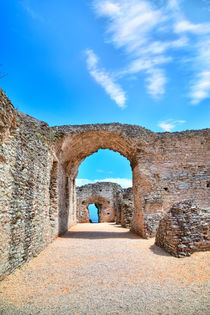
28	190
185	229
103	195
114	203
39	165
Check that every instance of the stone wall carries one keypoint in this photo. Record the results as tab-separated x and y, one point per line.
103	195
184	230
39	165
114	203
28	188
166	167
126	207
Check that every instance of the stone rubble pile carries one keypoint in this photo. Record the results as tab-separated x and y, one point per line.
184	229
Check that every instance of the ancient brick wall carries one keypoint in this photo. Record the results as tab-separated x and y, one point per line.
185	229
166	167
182	166
39	165
126	207
28	189
114	203
103	195
176	169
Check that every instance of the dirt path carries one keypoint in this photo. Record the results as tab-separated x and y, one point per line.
105	269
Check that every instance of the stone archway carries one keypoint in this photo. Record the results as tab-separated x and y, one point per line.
39	165
164	166
104	195
106	211
77	142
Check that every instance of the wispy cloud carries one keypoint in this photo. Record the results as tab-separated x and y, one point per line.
123	182
142	30
156	82
105	79
129	27
199	44
200	89
200	85
170	124
187	26
31	12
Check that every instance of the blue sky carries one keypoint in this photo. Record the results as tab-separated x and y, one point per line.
93	213
107	166
144	62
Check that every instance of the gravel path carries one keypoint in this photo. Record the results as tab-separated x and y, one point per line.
105	269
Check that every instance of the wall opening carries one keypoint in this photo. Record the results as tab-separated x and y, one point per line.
93	213
105	166
111	158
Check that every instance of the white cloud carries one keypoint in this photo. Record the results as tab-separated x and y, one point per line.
200	86
187	26
123	182
105	79
144	64
142	30
129	27
173	5
200	56
166	126
200	89
156	82
107	8
92	59
169	124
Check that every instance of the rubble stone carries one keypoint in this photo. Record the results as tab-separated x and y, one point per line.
103	195
184	229
39	165
114	203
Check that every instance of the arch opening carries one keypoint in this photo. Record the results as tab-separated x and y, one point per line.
103	176
93	213
80	142
75	149
105	166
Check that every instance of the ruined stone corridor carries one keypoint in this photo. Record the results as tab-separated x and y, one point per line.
39	166
105	269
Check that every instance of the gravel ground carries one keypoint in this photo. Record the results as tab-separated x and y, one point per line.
105	269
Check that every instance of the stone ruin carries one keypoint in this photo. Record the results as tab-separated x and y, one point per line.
125	208
39	165
185	229
114	203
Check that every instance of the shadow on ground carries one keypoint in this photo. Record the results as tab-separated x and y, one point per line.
158	251
123	234
91	235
